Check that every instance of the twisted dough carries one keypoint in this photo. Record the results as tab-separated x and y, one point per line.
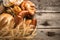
27	10
28	5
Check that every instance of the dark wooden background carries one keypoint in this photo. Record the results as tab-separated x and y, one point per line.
48	19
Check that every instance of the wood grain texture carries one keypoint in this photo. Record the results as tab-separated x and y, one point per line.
48	34
48	20
47	4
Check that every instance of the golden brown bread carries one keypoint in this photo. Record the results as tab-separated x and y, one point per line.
29	6
17	9
18	25
6	20
8	3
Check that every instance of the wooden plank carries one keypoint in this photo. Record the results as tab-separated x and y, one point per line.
47	34
46	11
48	20
44	4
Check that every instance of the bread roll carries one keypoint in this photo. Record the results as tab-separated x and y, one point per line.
29	6
6	20
8	3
